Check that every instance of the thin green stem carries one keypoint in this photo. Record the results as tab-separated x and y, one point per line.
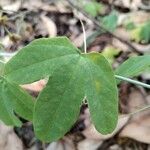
133	81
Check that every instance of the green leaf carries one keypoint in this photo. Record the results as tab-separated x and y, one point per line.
130	26
14	100
109	53
72	76
92	8
39	59
101	93
57	107
141	33
133	66
110	21
145	32
135	34
1	68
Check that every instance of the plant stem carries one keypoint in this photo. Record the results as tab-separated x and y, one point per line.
84	37
133	81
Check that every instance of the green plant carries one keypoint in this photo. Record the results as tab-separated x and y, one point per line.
139	33
110	21
73	77
93	8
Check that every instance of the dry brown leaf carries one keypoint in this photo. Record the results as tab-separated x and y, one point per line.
49	25
142	48
89	144
36	86
91	133
136	100
65	144
138	128
8	139
134	4
10	6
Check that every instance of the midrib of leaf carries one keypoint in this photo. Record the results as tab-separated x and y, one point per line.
89	62
34	46
37	63
89	66
92	79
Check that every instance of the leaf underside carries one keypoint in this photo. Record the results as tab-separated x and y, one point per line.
72	76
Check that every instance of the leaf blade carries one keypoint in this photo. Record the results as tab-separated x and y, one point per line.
101	92
61	99
133	66
41	59
12	100
6	112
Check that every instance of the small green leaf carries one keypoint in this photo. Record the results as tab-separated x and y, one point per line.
92	8
145	32
133	66
109	53
14	100
130	26
141	33
110	21
58	106
101	93
39	59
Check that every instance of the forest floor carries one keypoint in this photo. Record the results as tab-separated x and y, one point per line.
23	21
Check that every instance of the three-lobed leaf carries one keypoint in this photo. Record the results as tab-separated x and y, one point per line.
90	77
72	76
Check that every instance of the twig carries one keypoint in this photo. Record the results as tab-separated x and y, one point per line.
16	14
140	110
97	23
137	111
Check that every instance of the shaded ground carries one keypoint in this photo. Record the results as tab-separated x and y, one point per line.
21	22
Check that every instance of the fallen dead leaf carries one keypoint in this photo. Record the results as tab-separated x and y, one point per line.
11	6
138	128
36	86
49	25
89	144
8	139
136	100
65	144
91	133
